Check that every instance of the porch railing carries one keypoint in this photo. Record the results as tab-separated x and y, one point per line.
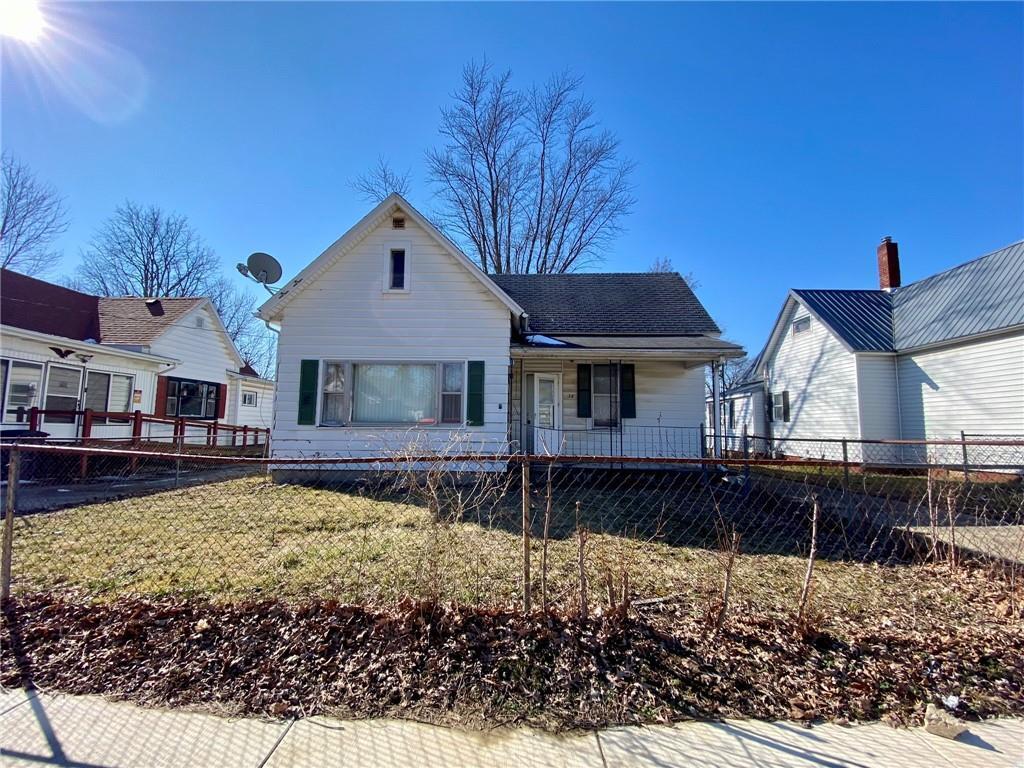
626	440
134	423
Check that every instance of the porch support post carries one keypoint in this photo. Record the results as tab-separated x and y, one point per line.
716	399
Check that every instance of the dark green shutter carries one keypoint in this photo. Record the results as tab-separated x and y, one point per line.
475	394
309	374
628	386
785	405
583	390
769	408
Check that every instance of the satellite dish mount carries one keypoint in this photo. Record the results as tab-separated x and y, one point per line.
263	269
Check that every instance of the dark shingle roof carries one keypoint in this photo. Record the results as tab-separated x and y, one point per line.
863	319
983	295
131	320
646	304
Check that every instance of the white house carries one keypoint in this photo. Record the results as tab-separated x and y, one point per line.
63	352
393	336
936	359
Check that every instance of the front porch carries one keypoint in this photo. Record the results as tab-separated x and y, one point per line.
639	397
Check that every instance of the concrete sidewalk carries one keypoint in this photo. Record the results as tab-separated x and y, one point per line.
88	732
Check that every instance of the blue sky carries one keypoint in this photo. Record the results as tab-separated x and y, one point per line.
775	143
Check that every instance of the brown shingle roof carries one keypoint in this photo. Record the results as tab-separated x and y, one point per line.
132	320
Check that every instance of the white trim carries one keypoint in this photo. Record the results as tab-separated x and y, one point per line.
270	310
388	248
88	348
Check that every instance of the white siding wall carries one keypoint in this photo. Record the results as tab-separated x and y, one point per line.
749	414
877	404
261	415
820	375
977	387
204	352
447	315
28	350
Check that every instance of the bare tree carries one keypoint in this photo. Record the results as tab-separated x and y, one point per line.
527	180
146	252
143	251
33	216
380	181
661	264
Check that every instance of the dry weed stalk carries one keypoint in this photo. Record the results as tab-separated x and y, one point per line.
805	592
548	503
728	550
951	501
581	536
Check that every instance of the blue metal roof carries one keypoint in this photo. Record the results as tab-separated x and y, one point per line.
981	296
863	319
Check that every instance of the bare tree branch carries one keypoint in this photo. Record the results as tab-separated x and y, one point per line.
527	181
33	216
143	251
380	181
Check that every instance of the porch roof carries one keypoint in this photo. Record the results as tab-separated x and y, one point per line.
693	347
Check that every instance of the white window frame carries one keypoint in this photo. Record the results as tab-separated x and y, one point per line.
801	324
110	387
616	422
255	398
349	394
46	393
400	245
5	400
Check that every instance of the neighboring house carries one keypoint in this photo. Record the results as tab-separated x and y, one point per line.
932	359
63	350
393	337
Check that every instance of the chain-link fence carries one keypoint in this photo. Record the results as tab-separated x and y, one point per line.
571	533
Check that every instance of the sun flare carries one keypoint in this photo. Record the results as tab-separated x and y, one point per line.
22	20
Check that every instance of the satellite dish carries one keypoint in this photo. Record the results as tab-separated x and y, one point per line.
264	268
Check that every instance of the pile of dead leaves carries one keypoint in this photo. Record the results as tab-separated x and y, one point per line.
476	666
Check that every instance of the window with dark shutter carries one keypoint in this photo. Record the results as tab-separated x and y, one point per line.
583	390
309	373
628	383
785	405
475	393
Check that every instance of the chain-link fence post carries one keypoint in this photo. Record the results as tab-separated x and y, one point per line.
7	551
846	467
526	533
963	445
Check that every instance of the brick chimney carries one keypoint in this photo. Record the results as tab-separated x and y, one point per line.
888	264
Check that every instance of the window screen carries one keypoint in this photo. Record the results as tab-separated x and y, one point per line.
62	390
23	385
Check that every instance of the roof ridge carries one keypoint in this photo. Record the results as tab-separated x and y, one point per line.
960	266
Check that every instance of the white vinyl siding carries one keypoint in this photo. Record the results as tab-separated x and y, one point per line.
820	375
262	414
878	406
976	387
445	314
204	352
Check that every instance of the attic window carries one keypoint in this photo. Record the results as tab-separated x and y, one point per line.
801	324
398	222
200	323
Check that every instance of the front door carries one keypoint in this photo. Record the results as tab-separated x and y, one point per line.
547	412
